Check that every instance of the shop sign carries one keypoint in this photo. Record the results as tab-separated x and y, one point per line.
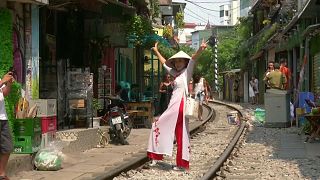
32	1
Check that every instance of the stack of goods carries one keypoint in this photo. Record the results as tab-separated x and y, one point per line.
26	129
47	112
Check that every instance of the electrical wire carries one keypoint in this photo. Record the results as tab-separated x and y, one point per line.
195	17
207	8
201	16
196	14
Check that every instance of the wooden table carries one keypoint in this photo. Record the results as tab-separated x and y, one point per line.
315	126
143	109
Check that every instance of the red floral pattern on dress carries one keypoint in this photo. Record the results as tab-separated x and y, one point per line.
156	131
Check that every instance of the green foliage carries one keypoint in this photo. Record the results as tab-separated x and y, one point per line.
6	48
166	51
95	104
245	62
155	10
187	49
35	88
168	32
179	20
6	61
205	65
227	51
264	37
137	29
244	28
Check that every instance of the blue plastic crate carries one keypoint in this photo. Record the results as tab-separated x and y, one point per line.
302	97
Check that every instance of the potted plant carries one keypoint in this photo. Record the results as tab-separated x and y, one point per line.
96	106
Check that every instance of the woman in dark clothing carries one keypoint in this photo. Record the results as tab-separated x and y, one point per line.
165	90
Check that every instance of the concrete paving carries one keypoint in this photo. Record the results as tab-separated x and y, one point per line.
293	146
91	163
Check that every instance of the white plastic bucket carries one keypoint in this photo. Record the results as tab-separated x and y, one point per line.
233	117
96	122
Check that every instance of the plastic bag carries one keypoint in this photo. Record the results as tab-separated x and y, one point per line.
49	158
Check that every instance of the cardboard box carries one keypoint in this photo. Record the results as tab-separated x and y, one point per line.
46	107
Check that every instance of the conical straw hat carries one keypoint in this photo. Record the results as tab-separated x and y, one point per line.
179	55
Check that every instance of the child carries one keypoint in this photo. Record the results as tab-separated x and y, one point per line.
172	123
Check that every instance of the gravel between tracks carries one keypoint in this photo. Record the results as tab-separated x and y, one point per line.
260	157
206	147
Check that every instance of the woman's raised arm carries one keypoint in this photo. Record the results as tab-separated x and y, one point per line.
156	51
202	47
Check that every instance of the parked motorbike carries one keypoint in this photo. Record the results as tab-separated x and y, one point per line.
120	123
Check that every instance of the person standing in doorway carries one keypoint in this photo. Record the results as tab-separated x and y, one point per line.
235	88
6	144
166	88
172	122
255	87
251	92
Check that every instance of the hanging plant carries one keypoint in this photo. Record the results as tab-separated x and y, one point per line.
168	32
137	29
264	37
266	22
180	20
6	61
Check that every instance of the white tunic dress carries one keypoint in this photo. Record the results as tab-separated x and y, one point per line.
163	129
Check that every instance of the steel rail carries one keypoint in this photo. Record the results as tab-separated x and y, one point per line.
212	172
142	159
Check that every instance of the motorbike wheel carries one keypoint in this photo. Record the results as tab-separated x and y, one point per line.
122	140
128	127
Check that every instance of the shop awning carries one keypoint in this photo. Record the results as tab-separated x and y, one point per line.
40	2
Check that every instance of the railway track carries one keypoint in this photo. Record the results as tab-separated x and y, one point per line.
212	141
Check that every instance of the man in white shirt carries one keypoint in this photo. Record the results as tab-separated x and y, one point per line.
6	144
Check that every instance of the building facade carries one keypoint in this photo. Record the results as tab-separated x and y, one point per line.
225	14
